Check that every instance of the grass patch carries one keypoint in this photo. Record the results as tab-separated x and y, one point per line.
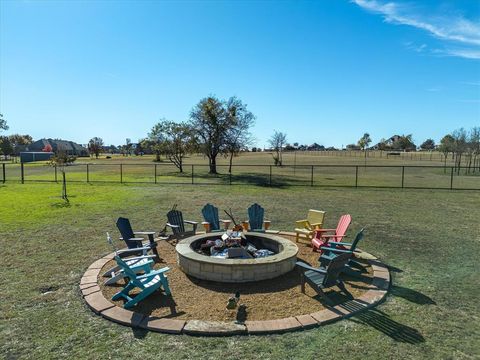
429	238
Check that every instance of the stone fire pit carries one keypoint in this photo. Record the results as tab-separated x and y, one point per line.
237	270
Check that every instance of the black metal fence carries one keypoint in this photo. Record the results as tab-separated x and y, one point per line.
377	176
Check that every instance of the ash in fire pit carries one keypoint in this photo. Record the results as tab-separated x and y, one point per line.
234	245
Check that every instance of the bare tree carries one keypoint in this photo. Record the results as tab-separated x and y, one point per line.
277	142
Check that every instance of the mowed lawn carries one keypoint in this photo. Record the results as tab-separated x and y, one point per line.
429	238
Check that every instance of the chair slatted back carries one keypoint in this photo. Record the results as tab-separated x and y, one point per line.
315	217
334	269
357	239
210	214
129	272
123	225
175	217
255	217
343	224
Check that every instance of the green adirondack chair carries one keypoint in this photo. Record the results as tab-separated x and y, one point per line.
177	224
212	222
256	220
139	264
147	283
323	278
334	248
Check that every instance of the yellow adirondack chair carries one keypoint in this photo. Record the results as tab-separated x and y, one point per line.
306	228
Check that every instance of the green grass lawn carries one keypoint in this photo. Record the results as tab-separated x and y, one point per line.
429	238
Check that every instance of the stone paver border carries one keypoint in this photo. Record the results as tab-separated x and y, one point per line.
94	298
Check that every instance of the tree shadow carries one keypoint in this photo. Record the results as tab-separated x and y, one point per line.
380	321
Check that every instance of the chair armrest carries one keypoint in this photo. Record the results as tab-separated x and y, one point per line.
225	221
144	232
141	257
308	267
190	222
125	251
316	224
133	239
303	223
153	273
340	243
326	248
205	223
326	230
172	226
332	236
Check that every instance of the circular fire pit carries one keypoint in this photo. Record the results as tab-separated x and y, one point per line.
237	270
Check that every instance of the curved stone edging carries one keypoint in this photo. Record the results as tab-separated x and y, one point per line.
94	298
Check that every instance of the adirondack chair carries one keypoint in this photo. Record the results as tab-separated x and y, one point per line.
256	220
177	224
334	248
212	222
147	284
138	264
322	236
322	278
135	243
306	228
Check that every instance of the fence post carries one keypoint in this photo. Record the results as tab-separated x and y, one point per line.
403	175
192	172
311	177
3	171
451	178
22	173
56	173
88	174
356	176
155	173
121	173
270	175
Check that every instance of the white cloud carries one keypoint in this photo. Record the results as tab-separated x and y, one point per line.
452	29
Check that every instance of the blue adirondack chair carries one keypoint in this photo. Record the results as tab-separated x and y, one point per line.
147	283
323	278
177	224
139	264
134	243
212	222
335	248
256	220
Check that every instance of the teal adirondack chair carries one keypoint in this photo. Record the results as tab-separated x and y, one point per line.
139	264
212	222
147	283
334	248
256	220
322	278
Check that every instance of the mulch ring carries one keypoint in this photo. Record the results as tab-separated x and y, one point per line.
265	300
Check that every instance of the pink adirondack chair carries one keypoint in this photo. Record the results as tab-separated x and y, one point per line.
322	236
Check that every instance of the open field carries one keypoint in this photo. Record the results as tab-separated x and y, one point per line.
428	238
302	169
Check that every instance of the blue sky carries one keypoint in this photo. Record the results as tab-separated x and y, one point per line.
323	71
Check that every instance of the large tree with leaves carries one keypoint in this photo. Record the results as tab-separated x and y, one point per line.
174	140
212	120
364	141
446	146
3	123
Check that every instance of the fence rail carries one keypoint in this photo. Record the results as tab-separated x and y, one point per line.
376	176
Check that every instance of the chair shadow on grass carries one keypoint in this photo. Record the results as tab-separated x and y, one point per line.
380	321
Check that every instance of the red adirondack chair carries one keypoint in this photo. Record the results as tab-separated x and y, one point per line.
322	236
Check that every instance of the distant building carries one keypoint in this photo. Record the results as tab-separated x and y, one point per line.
70	147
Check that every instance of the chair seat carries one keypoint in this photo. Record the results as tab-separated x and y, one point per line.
318	243
304	231
150	282
314	278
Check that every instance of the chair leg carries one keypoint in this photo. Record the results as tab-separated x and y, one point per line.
324	297
165	285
